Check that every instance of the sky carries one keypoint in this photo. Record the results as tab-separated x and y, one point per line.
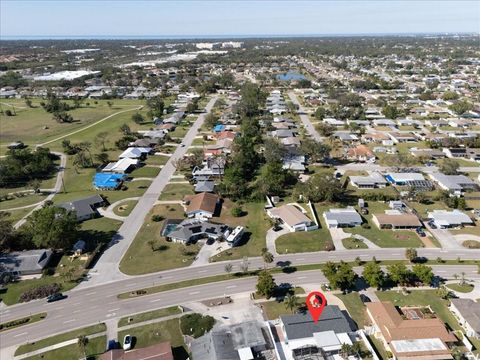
196	18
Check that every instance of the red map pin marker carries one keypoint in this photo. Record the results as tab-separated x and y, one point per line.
316	303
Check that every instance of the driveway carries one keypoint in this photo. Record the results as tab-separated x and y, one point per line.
445	238
337	236
272	236
207	251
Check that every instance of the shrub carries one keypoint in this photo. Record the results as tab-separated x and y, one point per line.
39	292
157	218
237	211
366	225
196	324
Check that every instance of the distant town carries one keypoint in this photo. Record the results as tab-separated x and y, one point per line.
179	199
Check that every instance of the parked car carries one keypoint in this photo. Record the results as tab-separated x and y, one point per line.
365	298
56	297
127	342
112	344
420	232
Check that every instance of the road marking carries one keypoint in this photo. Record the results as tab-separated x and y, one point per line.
114	309
76	304
22	334
202	271
301	259
301	277
69	321
152	301
92	293
167	277
76	311
194	293
231	286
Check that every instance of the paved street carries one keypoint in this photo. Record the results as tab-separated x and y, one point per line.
106	269
304	118
102	302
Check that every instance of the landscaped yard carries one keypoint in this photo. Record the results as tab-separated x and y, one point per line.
155	314
94	329
352	243
463	288
156	160
176	191
94	349
425	298
256	225
141	259
162	331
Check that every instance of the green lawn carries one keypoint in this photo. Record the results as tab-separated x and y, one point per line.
465	288
141	259
94	329
21	200
352	243
256	225
355	307
176	191
125	208
273	309
94	349
471	244
25	321
162	331
155	314
425	298
145	171
16	215
156	160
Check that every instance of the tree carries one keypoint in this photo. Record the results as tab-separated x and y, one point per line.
320	113
461	107
138	118
321	187
125	129
341	276
82	343
411	254
228	268
267	257
390	111
399	274
52	227
272	179
28	102
110	104
315	151
156	106
450	95
102	158
7	233
252	98
449	167
326	129
443	292
274	150
346	350
423	273
291	302
192	106
35	185
101	139
211	120
373	275
265	284
13	79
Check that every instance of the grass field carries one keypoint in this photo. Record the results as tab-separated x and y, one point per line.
355	307
273	309
256	226
94	349
94	329
155	314
352	243
176	191
145	171
154	333
141	259
27	199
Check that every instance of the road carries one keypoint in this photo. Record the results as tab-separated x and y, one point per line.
53	192
304	118
91	306
106	269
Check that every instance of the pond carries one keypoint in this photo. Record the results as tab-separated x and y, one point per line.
290	76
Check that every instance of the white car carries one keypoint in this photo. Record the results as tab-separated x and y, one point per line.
127	342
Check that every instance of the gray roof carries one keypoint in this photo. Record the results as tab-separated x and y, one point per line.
470	310
299	326
190	228
28	262
343	216
205	186
453	182
215	345
374	178
83	207
247	334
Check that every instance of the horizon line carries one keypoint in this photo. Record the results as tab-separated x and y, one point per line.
228	36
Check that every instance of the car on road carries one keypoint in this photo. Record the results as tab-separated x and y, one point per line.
182	145
127	342
56	297
365	298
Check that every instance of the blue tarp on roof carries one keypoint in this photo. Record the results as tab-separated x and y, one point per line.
390	179
219	128
107	180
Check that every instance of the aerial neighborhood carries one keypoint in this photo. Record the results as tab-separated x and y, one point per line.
179	199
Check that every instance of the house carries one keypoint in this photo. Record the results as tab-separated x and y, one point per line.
361	153
85	208
402	137
323	339
384	122
121	166
292	217
160	351
467	313
405	179
408	334
145	142
334	122
374	137
21	263
345	136
202	205
456	184
295	162
108	181
211	167
189	231
427	153
473	155
444	219
135	153
394	219
374	180
455	152
347	217
279	134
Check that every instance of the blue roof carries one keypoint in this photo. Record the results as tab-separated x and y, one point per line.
219	128
107	180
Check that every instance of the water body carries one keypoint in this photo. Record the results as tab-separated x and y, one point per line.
290	76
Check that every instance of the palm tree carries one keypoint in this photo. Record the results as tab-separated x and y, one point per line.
228	268
455	276
462	281
291	302
82	343
346	349
267	257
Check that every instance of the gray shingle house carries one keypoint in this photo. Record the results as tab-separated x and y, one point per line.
85	208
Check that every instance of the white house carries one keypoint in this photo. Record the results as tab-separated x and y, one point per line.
467	313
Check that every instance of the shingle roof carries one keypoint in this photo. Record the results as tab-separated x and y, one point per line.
83	207
202	202
214	346
290	215
299	326
470	311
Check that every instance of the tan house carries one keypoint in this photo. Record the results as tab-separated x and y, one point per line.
201	206
396	220
361	153
292	217
410	334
